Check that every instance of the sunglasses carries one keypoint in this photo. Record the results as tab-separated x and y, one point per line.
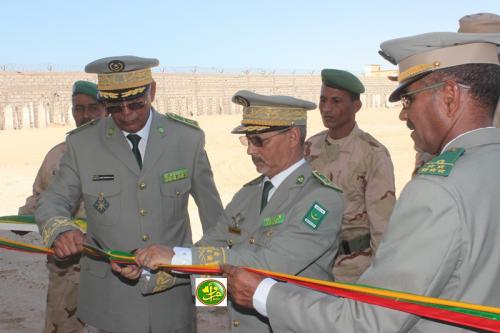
258	141
133	106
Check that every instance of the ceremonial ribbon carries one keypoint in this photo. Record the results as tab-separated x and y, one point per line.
20	220
454	312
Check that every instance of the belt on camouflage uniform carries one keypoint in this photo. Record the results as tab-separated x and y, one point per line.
354	245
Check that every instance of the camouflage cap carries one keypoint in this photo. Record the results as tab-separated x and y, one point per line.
336	78
86	88
122	77
263	113
417	56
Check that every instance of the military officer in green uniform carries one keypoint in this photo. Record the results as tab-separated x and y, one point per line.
287	220
135	171
444	233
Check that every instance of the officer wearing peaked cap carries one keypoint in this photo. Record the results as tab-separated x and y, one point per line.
475	23
135	171
444	228
358	163
287	220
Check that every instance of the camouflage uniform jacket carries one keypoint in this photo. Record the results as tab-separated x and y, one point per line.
47	170
362	167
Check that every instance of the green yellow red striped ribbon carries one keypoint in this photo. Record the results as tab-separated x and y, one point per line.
19	222
449	311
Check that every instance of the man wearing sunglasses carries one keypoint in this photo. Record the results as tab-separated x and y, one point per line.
360	165
64	276
135	171
444	231
287	220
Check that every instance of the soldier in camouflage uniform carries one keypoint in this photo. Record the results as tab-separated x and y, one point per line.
64	276
360	165
475	23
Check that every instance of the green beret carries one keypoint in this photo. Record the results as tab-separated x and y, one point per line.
336	78
86	88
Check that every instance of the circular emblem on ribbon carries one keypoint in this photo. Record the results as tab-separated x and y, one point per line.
211	292
116	65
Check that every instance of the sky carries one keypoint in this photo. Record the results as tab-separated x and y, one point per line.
231	35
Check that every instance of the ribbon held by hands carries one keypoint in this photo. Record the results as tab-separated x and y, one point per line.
453	312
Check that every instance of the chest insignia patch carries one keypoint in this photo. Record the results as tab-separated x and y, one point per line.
273	220
101	204
443	164
300	180
172	176
315	215
110	132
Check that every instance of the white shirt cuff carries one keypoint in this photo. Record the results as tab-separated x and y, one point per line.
182	256
260	296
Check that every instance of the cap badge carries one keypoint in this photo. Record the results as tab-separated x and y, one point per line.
116	65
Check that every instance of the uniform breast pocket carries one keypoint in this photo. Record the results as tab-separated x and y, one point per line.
175	197
263	237
102	202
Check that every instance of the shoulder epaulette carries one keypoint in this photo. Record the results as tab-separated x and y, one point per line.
176	117
441	165
86	125
255	181
369	139
325	181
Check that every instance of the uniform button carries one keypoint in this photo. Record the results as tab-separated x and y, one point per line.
236	323
177	193
269	232
230	242
251	240
143	212
145	238
142	186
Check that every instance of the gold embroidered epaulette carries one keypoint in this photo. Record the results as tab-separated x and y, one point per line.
255	181
441	165
176	117
86	125
325	181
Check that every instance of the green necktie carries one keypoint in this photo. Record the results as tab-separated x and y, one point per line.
134	138
265	194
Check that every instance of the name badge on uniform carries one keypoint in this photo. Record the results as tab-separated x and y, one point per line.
273	220
100	178
101	204
172	176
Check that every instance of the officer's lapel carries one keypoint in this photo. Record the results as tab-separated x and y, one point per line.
117	144
156	144
288	190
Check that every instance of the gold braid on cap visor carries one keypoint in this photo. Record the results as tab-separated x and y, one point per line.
124	80
273	116
415	70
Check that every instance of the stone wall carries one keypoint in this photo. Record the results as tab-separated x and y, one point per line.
39	99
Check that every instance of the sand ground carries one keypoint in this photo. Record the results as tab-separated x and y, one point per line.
23	277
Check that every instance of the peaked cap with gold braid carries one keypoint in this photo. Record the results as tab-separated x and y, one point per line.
420	55
263	113
122	78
